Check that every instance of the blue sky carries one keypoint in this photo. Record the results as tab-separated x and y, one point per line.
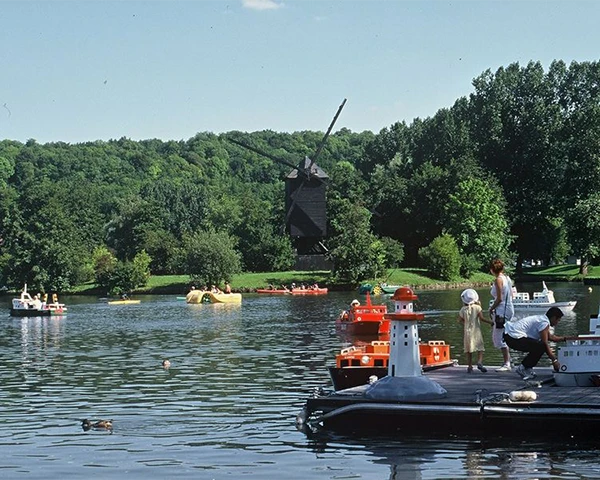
78	71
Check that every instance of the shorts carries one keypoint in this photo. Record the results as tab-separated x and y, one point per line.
497	338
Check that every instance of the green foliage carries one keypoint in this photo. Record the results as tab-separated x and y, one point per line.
117	277
584	227
508	171
210	258
476	218
394	252
357	254
442	258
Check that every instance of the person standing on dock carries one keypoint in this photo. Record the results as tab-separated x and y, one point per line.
501	309
532	334
471	317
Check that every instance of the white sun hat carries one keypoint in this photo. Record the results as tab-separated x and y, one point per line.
469	296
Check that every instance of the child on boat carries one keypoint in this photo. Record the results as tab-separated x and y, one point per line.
471	316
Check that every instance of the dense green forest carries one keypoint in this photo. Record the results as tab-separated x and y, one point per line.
511	170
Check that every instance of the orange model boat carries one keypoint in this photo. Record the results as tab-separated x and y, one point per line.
367	319
356	364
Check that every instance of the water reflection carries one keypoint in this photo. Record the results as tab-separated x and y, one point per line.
225	408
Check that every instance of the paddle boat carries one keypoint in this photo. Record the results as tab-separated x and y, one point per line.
363	364
203	296
308	291
26	306
540	302
379	289
274	291
367	319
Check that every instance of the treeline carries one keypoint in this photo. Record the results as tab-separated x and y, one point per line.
511	170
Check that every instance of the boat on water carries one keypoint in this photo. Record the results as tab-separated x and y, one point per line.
26	306
379	289
580	359
363	364
124	302
367	319
453	401
540	302
309	291
203	296
274	291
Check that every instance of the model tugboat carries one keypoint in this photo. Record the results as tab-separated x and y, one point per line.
367	319
359	365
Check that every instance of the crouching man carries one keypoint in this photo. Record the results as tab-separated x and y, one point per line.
531	335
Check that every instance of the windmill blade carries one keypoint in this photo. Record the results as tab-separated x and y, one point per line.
322	144
264	154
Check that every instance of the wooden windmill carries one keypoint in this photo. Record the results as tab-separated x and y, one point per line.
305	198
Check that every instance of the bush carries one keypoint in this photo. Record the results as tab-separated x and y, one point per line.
442	258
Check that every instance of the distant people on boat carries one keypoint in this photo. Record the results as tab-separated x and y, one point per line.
124	296
354	303
215	289
37	303
531	335
227	287
44	300
471	316
501	310
55	299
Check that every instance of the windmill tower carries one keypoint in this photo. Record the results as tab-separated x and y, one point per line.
305	203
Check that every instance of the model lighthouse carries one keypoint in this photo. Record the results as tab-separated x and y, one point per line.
404	335
405	380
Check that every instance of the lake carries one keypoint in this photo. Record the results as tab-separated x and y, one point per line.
226	407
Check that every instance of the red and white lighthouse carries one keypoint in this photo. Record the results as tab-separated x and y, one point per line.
404	358
405	379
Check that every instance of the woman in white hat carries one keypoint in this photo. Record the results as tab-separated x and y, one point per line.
471	317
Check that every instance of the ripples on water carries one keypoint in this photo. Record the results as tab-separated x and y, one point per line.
226	406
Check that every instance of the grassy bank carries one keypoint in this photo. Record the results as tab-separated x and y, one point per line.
416	278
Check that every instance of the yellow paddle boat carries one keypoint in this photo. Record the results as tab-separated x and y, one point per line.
202	296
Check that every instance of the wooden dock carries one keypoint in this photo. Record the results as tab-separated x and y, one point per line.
476	404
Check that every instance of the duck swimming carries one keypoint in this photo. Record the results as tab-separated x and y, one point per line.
99	425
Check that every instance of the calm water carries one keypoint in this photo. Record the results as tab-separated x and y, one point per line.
226	408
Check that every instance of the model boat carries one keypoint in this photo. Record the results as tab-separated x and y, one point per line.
540	302
359	365
367	319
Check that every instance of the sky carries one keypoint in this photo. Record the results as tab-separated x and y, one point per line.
78	71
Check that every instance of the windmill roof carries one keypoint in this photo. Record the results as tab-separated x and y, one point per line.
315	170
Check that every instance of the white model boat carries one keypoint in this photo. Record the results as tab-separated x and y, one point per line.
580	359
540	303
25	306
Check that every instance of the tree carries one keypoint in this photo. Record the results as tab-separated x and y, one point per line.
584	229
356	253
210	258
476	218
442	258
